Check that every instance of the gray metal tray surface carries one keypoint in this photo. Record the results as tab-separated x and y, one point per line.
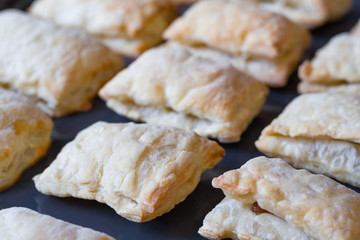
185	219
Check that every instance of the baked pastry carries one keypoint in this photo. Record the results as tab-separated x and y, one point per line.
175	87
268	199
308	13
22	223
141	171
319	132
24	136
263	44
62	67
335	67
127	26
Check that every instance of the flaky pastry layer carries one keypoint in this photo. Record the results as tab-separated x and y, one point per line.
22	223
316	204
235	219
24	136
141	171
67	66
176	87
128	27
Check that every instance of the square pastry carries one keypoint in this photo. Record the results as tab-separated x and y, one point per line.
24	136
127	26
62	67
172	86
141	171
268	199
308	13
263	44
18	223
319	132
335	68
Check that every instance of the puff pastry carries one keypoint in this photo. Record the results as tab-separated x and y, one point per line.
141	171
128	27
62	67
268	199
319	132
308	13
24	136
263	44
176	87
22	223
335	68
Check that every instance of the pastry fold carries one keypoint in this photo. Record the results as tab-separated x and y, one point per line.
268	199
24	136
263	44
127	26
22	223
141	171
335	67
173	86
308	13
319	132
62	67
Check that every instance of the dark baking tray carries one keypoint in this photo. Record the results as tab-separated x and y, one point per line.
186	218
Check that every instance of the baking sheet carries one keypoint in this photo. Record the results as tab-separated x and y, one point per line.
186	218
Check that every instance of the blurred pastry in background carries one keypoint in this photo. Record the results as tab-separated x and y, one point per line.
263	44
319	132
62	67
268	199
22	223
308	13
335	67
142	171
171	85
127	26
24	136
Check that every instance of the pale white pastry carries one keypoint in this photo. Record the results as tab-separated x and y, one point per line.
308	13
127	26
335	68
62	67
263	44
24	136
267	199
173	86
141	171
18	223
319	132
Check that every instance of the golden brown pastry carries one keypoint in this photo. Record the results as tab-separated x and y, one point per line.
335	67
24	136
268	199
263	44
173	86
308	13
127	26
319	132
64	68
21	223
141	171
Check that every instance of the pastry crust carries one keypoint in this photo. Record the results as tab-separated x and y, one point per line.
175	87
337	62
245	30
234	218
141	171
316	204
67	66
319	132
308	13
22	223
24	136
128	27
